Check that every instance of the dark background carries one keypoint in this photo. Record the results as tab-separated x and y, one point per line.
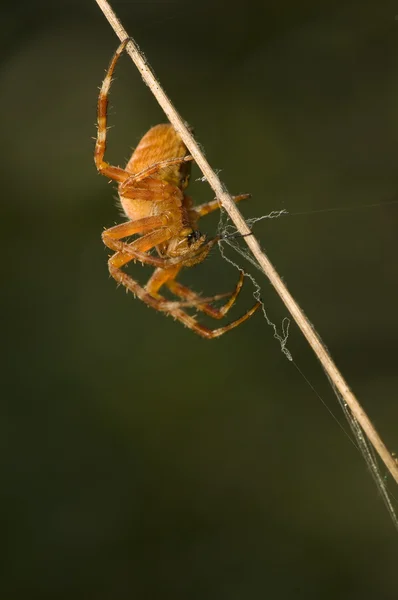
140	460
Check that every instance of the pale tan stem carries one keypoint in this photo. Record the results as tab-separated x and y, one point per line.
239	222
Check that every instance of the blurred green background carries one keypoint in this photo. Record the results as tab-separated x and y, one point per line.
140	460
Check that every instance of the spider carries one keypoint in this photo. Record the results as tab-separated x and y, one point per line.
152	194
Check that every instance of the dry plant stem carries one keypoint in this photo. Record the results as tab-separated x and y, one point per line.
239	222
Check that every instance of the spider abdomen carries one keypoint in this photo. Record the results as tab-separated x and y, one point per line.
160	143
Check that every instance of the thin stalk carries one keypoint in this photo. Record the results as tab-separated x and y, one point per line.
267	267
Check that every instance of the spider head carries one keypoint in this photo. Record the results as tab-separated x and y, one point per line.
191	244
194	236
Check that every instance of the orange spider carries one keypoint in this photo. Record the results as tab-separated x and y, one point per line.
151	190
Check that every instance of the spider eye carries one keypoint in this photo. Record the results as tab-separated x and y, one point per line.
193	236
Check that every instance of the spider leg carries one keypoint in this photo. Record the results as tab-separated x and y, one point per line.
207	333
156	167
146	242
152	190
112	172
155	301
216	313
138	226
103	167
147	295
134	251
161	304
138	248
163	276
208	207
127	252
150	296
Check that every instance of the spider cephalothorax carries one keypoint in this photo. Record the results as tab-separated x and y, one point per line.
151	190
